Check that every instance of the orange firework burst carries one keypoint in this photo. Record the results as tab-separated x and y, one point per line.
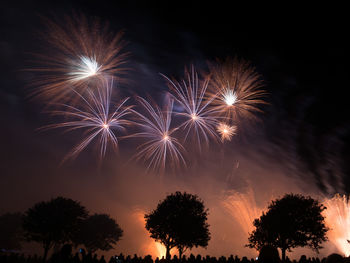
337	216
243	208
226	131
236	88
80	52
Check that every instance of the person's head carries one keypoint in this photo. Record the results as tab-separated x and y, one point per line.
335	258
66	250
268	254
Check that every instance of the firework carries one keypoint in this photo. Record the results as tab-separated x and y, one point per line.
94	115
243	208
237	89
226	131
161	147
81	52
337	216
190	94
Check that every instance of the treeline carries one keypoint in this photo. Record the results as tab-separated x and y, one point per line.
57	222
179	221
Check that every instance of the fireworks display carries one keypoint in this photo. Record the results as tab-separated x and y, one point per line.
337	216
118	104
80	53
85	55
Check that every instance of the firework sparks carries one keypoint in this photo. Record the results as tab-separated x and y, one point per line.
190	94
81	52
243	208
237	89
95	117
337	216
161	146
87	67
226	131
229	97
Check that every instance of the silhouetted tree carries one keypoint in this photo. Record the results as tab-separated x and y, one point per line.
53	222
292	221
11	232
180	220
98	231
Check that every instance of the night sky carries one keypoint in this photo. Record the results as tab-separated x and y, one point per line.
301	143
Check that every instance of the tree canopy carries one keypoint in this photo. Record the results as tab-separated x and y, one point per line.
98	231
180	221
290	222
53	222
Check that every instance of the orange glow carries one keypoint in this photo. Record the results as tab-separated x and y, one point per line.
337	217
151	247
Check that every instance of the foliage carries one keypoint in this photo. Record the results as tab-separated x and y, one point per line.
99	231
53	222
292	221
180	220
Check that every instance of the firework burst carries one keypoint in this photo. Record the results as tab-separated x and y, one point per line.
237	89
226	131
81	52
95	117
190	93
161	147
243	208
337	217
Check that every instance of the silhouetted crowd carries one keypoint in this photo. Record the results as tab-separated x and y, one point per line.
83	257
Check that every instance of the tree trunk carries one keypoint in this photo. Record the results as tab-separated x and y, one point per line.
180	252
46	250
168	256
283	255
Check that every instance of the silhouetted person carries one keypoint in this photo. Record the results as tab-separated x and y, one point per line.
76	258
334	258
268	254
63	256
83	255
303	259
88	258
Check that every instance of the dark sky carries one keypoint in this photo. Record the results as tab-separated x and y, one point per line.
303	135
